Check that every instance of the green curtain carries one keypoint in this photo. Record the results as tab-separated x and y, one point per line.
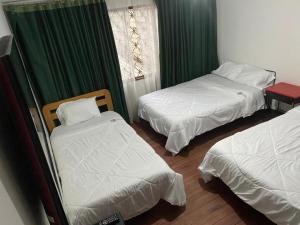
68	49
188	39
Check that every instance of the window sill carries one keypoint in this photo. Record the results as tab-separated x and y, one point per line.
140	78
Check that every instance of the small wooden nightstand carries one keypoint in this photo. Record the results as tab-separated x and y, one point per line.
283	92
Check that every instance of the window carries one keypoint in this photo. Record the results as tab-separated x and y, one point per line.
135	33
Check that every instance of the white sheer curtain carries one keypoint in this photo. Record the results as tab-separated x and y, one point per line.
134	24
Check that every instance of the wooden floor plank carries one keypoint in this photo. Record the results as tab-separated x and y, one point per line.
207	204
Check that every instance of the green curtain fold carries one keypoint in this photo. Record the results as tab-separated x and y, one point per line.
68	49
188	39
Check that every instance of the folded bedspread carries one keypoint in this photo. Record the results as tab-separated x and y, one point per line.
106	167
195	107
262	166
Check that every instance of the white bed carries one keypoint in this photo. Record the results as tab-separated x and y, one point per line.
106	167
192	108
262	166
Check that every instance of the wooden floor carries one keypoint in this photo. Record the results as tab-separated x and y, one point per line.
207	204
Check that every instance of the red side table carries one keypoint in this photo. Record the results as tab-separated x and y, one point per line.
283	92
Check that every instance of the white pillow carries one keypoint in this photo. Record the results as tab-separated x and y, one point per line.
255	77
229	70
74	112
246	74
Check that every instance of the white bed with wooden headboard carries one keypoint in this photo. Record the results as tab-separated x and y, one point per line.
105	167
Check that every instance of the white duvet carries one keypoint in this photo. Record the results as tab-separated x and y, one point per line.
195	107
105	167
262	166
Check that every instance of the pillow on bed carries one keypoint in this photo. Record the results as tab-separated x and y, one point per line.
255	77
246	74
229	70
74	112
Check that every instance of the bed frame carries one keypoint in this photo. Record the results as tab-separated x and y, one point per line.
103	98
275	75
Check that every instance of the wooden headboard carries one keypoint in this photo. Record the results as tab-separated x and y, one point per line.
103	98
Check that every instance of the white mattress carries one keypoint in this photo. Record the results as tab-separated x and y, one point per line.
106	167
195	107
262	166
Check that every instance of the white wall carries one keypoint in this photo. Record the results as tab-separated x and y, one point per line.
265	33
8	212
5	35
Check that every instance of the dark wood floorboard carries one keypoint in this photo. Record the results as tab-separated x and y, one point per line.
207	204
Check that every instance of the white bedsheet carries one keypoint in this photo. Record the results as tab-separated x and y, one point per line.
195	107
262	166
106	167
